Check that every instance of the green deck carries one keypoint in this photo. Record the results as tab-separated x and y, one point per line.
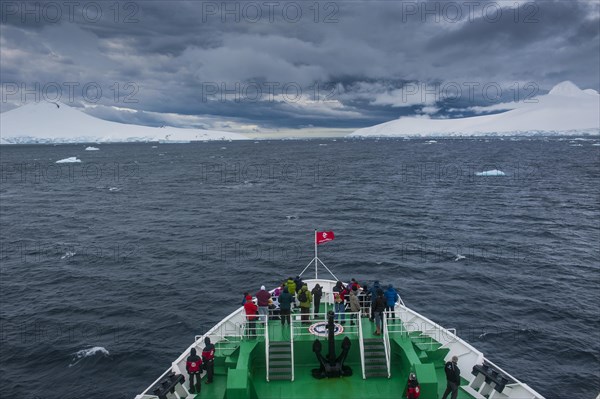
241	373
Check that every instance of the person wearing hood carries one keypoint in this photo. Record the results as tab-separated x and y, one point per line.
413	391
262	299
391	296
193	365
285	306
374	291
378	309
208	359
305	298
317	293
291	286
251	312
354	304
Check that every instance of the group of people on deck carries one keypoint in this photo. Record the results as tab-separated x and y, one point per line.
294	293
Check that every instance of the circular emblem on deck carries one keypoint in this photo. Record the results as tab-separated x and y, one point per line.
320	329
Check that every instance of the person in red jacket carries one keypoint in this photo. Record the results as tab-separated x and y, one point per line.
193	366
208	358
413	391
251	311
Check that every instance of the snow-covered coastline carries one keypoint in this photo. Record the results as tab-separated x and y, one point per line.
565	110
50	123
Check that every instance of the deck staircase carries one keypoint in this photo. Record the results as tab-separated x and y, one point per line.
280	360
375	364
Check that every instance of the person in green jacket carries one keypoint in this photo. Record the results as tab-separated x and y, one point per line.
305	298
291	286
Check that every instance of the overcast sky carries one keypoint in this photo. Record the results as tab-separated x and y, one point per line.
292	68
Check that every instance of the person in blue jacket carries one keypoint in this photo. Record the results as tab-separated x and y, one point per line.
391	296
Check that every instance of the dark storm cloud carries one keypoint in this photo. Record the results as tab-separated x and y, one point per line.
350	60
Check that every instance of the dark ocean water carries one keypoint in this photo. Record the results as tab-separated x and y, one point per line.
137	249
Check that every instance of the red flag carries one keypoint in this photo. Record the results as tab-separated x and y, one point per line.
324	236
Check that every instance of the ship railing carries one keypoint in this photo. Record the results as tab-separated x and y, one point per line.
361	345
394	322
386	345
267	346
292	349
297	323
253	329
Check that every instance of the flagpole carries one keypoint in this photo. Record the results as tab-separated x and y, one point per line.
316	257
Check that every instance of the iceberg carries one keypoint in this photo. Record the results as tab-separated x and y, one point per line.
493	172
566	109
44	122
69	160
92	149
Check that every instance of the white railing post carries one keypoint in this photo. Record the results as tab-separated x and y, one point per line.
361	344
292	344
386	343
267	344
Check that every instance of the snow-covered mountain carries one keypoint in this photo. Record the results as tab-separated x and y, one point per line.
566	109
59	123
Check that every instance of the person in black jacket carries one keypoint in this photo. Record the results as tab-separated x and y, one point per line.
453	378
317	293
193	366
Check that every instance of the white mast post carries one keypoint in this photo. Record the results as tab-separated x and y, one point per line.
316	257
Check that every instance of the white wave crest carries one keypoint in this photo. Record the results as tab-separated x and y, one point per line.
82	354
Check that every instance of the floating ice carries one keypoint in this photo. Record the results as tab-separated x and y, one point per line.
493	172
69	160
68	254
114	189
459	257
92	149
82	354
154	146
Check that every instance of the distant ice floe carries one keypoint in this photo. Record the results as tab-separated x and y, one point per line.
92	149
493	172
292	217
69	160
114	189
459	257
596	144
82	354
68	254
431	142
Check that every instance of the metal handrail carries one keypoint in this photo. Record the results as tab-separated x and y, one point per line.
267	345
361	344
292	346
386	343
